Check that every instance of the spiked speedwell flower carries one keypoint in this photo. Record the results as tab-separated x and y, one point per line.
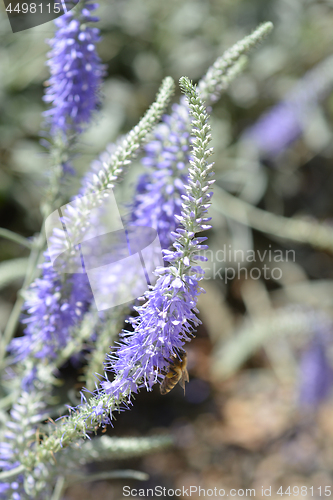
168	317
76	71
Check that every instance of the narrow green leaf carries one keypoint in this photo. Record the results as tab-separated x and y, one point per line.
113	474
7	474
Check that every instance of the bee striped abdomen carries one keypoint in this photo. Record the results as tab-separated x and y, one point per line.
177	372
169	382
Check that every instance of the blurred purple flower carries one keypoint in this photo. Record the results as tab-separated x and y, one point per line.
276	130
76	71
316	374
53	307
284	123
159	191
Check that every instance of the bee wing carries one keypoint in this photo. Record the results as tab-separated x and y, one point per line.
163	386
184	378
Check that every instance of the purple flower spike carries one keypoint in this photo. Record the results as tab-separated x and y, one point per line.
52	312
168	318
76	71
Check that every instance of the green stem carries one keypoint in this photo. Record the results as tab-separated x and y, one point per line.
16	311
115	474
106	337
59	488
17	238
